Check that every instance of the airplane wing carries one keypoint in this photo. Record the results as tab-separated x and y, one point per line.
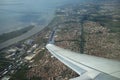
88	67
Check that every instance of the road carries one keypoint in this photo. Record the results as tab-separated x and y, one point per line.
51	38
22	37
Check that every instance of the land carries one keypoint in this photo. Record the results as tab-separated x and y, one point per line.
88	28
91	29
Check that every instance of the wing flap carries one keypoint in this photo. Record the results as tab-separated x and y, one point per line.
85	63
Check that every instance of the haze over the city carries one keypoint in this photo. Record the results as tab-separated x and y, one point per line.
17	14
59	40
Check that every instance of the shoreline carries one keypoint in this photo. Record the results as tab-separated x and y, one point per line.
30	33
10	35
26	35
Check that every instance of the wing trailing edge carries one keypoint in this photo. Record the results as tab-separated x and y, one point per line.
88	67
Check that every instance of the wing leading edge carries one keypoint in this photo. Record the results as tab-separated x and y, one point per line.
88	67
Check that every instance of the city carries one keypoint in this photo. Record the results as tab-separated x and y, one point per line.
89	28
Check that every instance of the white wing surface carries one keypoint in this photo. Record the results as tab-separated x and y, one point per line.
88	67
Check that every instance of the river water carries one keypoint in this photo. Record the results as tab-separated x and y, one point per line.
17	14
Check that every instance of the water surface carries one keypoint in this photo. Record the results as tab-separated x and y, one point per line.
16	14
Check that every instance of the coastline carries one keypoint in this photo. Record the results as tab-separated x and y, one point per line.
12	41
28	34
10	35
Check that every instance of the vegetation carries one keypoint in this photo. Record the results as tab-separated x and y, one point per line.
39	56
114	26
20	74
3	63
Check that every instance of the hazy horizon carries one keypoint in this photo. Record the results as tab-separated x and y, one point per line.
15	14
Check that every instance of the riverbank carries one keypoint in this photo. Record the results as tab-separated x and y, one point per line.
22	37
6	36
33	31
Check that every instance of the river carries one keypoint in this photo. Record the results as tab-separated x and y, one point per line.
17	14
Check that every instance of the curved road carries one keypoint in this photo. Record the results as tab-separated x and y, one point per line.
22	37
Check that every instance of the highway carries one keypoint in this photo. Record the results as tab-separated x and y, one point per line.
51	37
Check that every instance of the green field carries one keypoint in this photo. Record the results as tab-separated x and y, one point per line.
108	22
